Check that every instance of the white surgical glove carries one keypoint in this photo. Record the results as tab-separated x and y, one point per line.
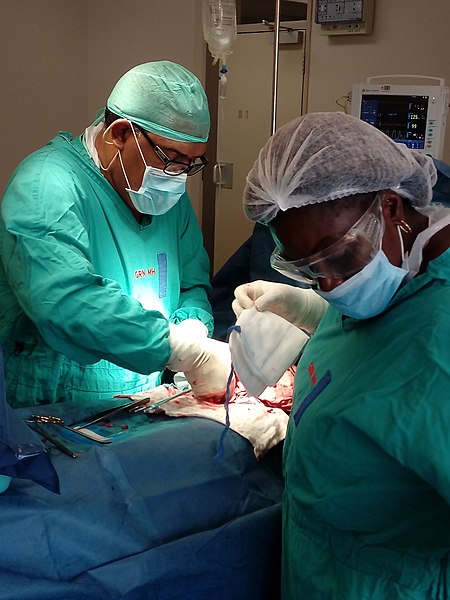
193	327
301	307
205	362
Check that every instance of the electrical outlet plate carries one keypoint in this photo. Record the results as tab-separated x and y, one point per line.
345	17
346	29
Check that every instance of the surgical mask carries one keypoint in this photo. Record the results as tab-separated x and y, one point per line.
263	346
368	292
159	192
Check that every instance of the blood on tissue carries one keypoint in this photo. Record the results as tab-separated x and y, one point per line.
277	396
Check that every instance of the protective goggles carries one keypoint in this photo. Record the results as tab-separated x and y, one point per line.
344	258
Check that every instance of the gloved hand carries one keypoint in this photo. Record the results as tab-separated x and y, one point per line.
301	307
193	328
205	362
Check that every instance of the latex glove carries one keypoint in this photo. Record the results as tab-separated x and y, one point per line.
193	328
205	362
301	307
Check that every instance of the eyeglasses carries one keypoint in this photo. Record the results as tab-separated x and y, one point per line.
342	259
175	167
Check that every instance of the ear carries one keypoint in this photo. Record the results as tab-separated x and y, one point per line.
120	130
392	207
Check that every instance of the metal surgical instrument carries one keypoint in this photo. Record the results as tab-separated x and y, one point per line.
151	407
52	440
52	420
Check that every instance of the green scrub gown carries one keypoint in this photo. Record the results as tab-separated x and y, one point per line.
86	292
367	455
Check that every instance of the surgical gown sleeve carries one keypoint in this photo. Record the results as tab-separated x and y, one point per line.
194	270
46	256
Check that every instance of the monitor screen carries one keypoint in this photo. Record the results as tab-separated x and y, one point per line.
402	118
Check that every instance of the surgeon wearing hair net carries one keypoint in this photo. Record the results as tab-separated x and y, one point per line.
103	276
366	511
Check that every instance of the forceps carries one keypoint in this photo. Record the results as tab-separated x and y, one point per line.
151	407
52	420
49	438
131	407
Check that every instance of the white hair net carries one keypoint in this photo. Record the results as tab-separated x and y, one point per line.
325	156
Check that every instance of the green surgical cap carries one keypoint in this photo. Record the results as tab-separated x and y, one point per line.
163	98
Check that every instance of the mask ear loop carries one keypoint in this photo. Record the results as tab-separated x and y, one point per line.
123	169
403	226
120	154
137	143
104	169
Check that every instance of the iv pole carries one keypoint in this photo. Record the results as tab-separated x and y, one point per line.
276	51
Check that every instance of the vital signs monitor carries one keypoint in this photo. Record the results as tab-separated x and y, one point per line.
413	115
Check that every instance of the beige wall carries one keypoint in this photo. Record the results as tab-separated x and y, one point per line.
43	56
409	37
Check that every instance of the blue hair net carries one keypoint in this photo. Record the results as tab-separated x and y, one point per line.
164	98
325	156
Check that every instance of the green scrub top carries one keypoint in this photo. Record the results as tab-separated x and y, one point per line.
366	510
87	292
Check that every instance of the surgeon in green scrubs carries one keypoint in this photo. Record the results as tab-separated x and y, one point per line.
366	509
104	280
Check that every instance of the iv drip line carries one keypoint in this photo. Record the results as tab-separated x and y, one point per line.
220	30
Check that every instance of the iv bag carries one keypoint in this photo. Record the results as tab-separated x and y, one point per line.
219	26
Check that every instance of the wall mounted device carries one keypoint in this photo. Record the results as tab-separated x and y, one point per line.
414	115
344	17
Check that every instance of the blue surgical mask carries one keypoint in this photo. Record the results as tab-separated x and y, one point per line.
159	192
368	292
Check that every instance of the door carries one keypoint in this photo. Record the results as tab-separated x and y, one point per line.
245	119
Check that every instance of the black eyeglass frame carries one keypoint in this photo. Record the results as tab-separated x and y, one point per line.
189	169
